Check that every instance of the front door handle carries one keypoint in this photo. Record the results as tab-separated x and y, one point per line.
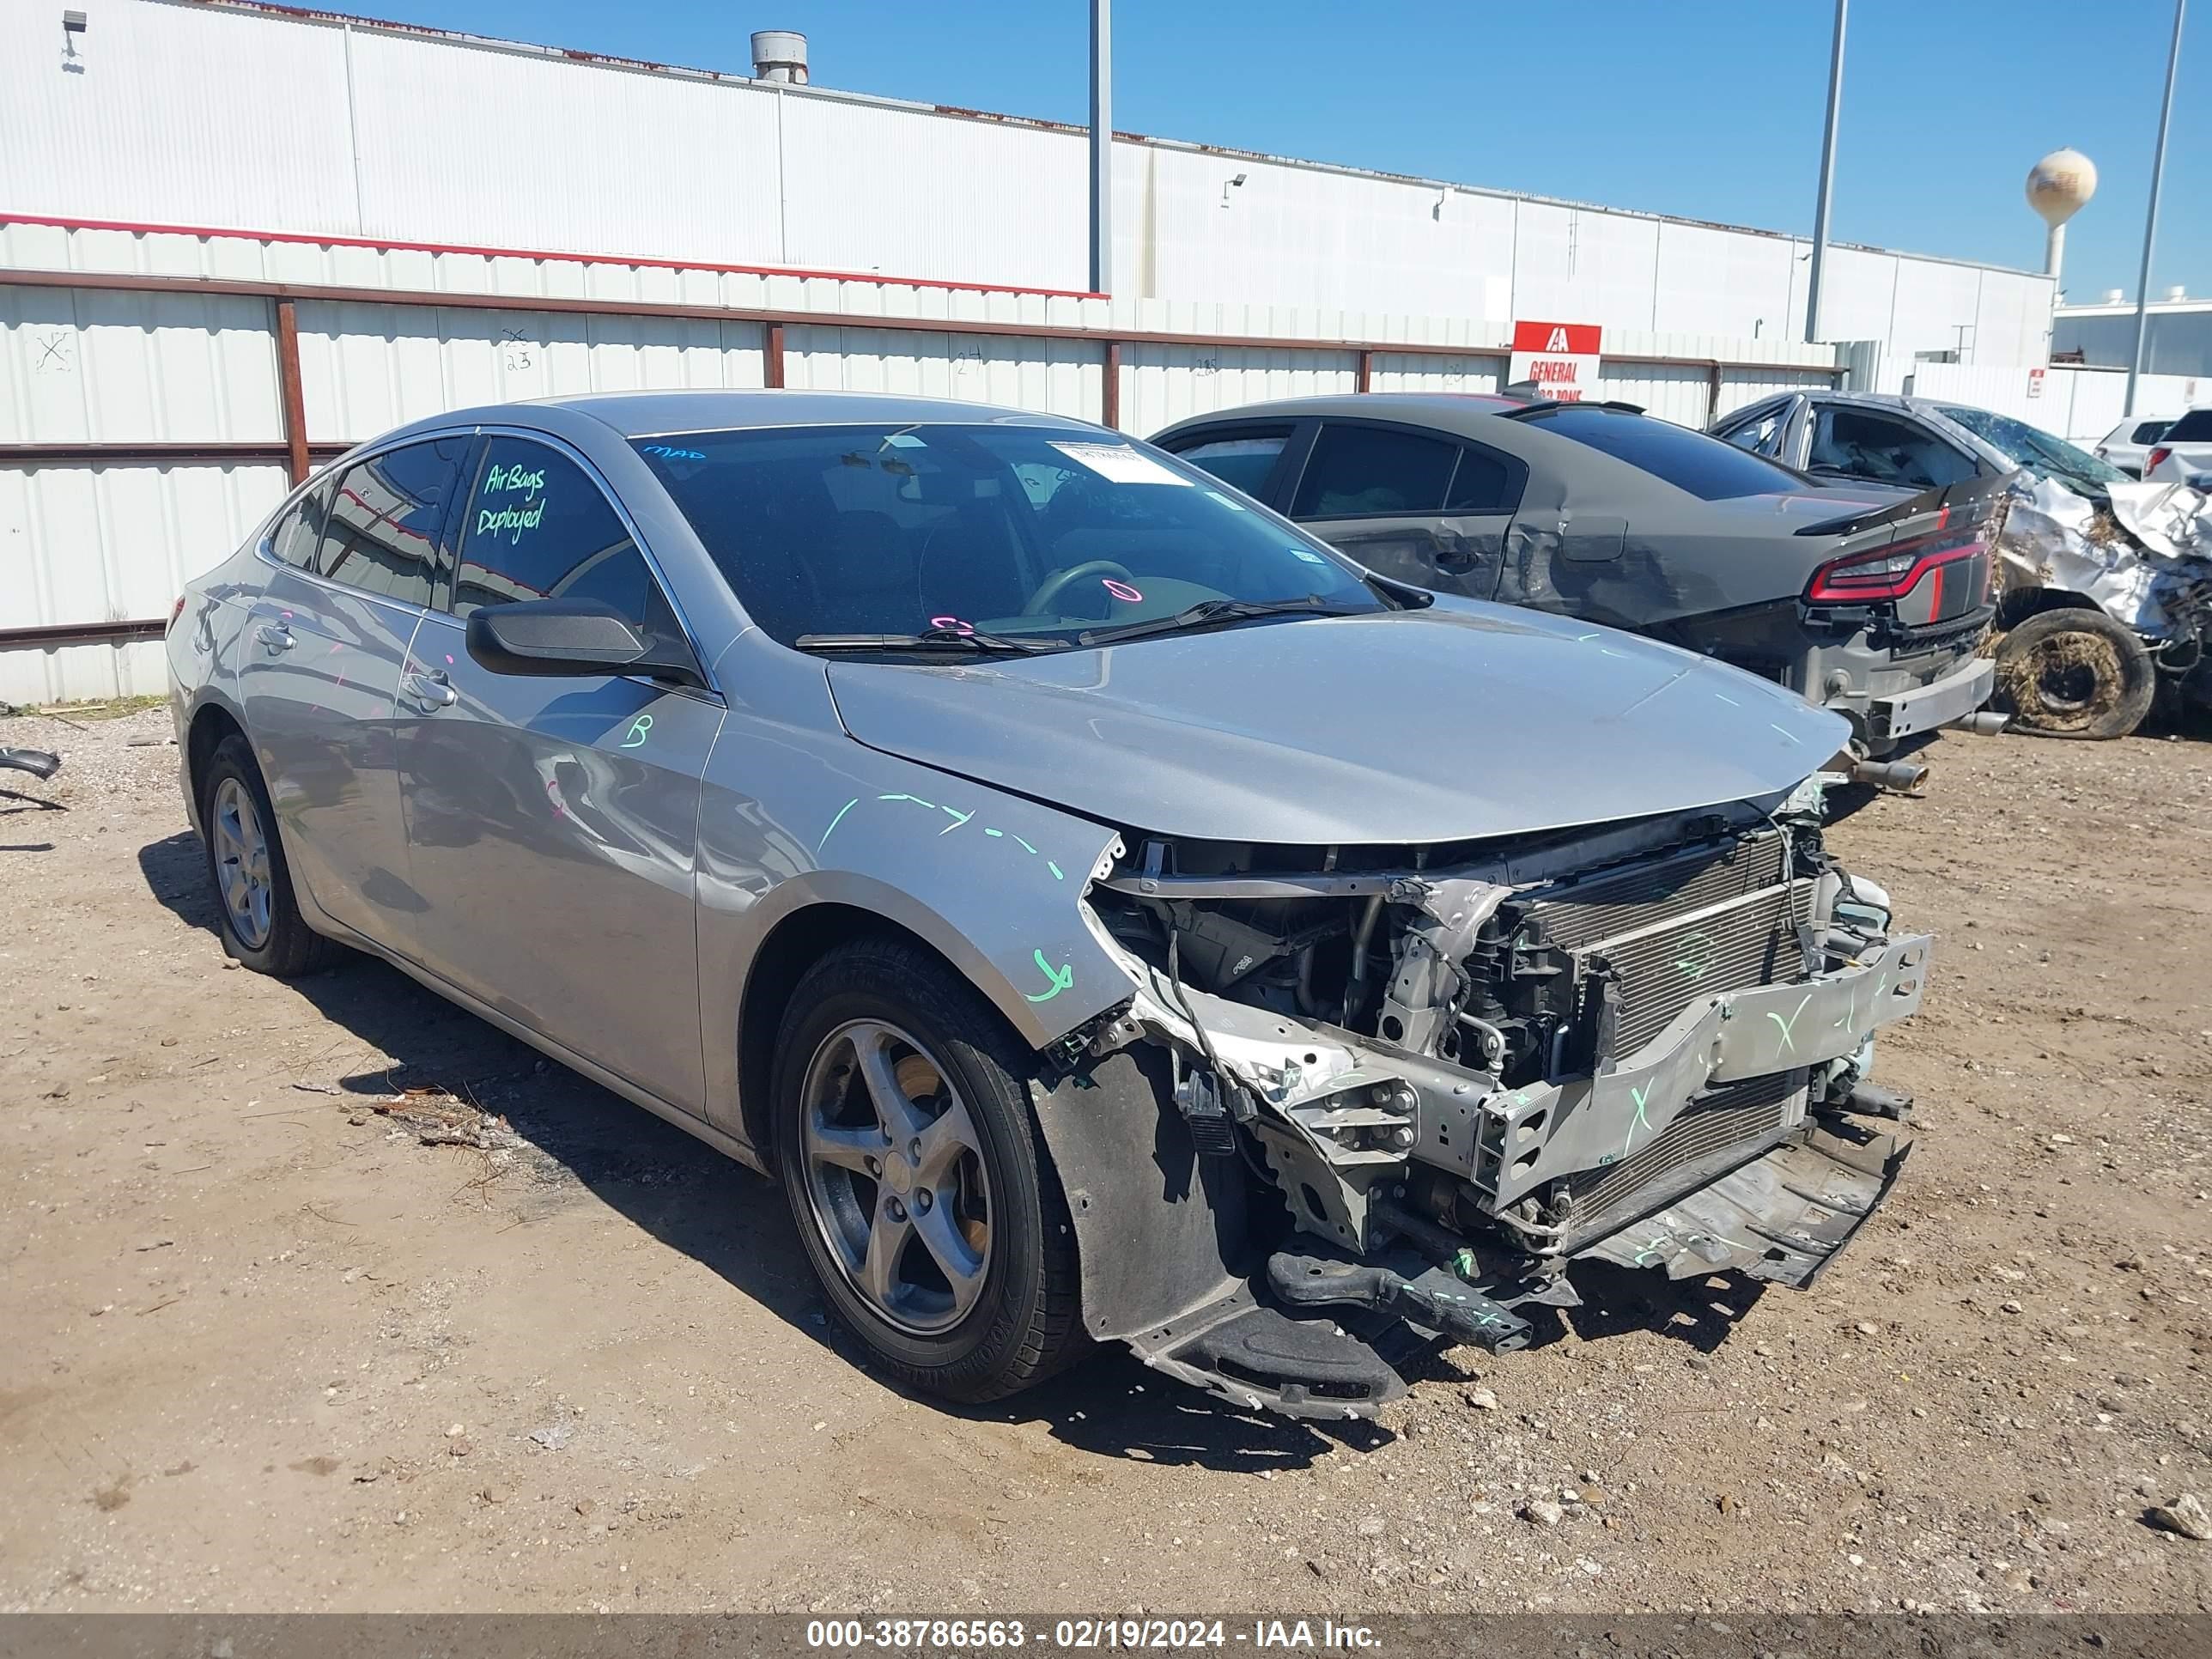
276	636
427	692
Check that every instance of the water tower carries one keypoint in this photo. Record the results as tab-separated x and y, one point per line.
2058	187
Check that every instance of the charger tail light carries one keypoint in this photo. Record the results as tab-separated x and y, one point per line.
2159	452
1892	572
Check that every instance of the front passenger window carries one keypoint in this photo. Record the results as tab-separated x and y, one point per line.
537	527
1243	462
1862	444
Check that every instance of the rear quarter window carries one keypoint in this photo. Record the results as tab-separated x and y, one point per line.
1703	466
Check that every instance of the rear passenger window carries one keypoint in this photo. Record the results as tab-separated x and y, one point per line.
540	528
386	519
1483	483
1243	462
299	532
1357	469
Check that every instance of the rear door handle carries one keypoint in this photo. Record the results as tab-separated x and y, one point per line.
427	692
275	636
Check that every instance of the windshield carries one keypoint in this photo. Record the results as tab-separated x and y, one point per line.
1035	534
2023	446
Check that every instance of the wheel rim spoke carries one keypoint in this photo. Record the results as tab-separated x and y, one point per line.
833	1144
961	1264
949	1137
898	1116
879	1271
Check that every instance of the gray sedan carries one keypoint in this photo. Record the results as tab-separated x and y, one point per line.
1050	867
1868	600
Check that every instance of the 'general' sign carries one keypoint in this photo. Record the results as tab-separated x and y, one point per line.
1560	358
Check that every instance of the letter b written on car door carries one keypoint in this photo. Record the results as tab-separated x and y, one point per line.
552	821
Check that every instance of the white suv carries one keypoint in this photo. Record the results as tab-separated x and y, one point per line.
2183	453
2127	443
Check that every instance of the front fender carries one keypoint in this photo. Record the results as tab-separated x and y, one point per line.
792	818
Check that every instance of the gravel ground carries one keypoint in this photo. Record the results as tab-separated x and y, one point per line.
325	1295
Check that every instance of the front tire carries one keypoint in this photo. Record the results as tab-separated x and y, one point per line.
910	1155
2075	672
260	919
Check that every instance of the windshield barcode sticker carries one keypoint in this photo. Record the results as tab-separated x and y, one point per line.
1119	463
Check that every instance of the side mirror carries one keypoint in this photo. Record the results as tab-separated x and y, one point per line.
567	637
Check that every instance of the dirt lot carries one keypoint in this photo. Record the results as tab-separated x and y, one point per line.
267	1349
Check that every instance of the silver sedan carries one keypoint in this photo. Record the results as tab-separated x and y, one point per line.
1111	913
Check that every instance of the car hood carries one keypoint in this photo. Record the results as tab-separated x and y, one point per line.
1445	724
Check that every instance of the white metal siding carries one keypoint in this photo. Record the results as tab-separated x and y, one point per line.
201	115
906	194
1163	383
366	368
2079	404
1059	377
1740	386
88	367
194	115
112	543
469	145
1673	392
1579	265
1720	281
1398	371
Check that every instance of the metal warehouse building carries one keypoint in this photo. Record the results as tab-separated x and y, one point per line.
234	238
2177	335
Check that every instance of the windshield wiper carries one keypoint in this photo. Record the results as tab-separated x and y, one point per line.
1214	613
932	638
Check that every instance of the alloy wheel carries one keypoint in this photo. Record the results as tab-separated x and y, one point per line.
895	1176
241	862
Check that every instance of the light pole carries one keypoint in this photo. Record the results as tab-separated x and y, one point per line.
1102	146
1828	178
2150	220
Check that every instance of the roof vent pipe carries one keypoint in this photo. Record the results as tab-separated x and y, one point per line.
2114	295
779	55
2176	292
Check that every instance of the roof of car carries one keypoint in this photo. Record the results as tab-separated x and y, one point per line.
1468	413
647	414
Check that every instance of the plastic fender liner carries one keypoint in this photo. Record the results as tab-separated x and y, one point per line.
1158	1230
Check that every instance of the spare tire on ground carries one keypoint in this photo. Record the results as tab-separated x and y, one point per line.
2075	672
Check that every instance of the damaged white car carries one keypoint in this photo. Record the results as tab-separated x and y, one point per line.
2104	584
1111	913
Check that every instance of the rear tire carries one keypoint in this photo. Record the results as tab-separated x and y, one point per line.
942	1241
2075	672
260	917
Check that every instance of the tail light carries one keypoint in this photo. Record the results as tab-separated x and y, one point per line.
2156	455
1886	573
176	610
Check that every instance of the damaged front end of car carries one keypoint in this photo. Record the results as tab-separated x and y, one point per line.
1412	1087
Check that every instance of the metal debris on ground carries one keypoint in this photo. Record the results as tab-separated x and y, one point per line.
440	1118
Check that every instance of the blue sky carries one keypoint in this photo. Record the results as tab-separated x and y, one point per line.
1710	109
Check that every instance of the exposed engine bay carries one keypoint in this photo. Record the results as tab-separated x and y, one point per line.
1462	1069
